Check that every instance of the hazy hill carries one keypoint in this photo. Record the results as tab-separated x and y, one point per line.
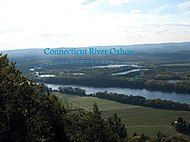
143	48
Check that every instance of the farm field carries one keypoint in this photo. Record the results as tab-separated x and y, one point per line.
137	118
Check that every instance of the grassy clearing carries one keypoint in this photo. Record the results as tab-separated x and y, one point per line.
136	118
148	120
87	102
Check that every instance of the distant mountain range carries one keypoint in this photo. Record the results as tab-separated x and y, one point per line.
142	48
155	48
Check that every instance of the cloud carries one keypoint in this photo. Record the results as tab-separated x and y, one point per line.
117	2
110	2
163	8
88	2
135	11
184	6
59	23
55	35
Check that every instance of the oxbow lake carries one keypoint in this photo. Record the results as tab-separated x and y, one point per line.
182	98
130	71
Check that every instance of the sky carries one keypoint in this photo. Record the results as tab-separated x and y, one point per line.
79	23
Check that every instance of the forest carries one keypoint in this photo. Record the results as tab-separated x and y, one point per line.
109	81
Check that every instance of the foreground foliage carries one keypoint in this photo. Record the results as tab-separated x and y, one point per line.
27	114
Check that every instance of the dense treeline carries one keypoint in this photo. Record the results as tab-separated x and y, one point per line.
123	82
94	81
139	100
134	100
72	91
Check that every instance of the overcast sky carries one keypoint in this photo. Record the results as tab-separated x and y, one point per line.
74	23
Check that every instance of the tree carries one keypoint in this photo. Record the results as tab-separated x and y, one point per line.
181	125
117	126
27	113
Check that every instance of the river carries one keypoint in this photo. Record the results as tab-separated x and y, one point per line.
182	98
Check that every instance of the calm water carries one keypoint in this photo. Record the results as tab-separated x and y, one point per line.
116	66
43	75
47	75
135	92
130	71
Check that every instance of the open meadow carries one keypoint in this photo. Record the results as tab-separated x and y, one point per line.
137	118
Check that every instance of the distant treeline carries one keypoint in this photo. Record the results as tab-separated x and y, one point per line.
139	100
134	100
99	81
72	91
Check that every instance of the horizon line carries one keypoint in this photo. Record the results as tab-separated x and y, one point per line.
101	45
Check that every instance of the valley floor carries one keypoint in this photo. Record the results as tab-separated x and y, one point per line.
137	118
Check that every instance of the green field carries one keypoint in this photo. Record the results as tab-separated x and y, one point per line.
137	118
